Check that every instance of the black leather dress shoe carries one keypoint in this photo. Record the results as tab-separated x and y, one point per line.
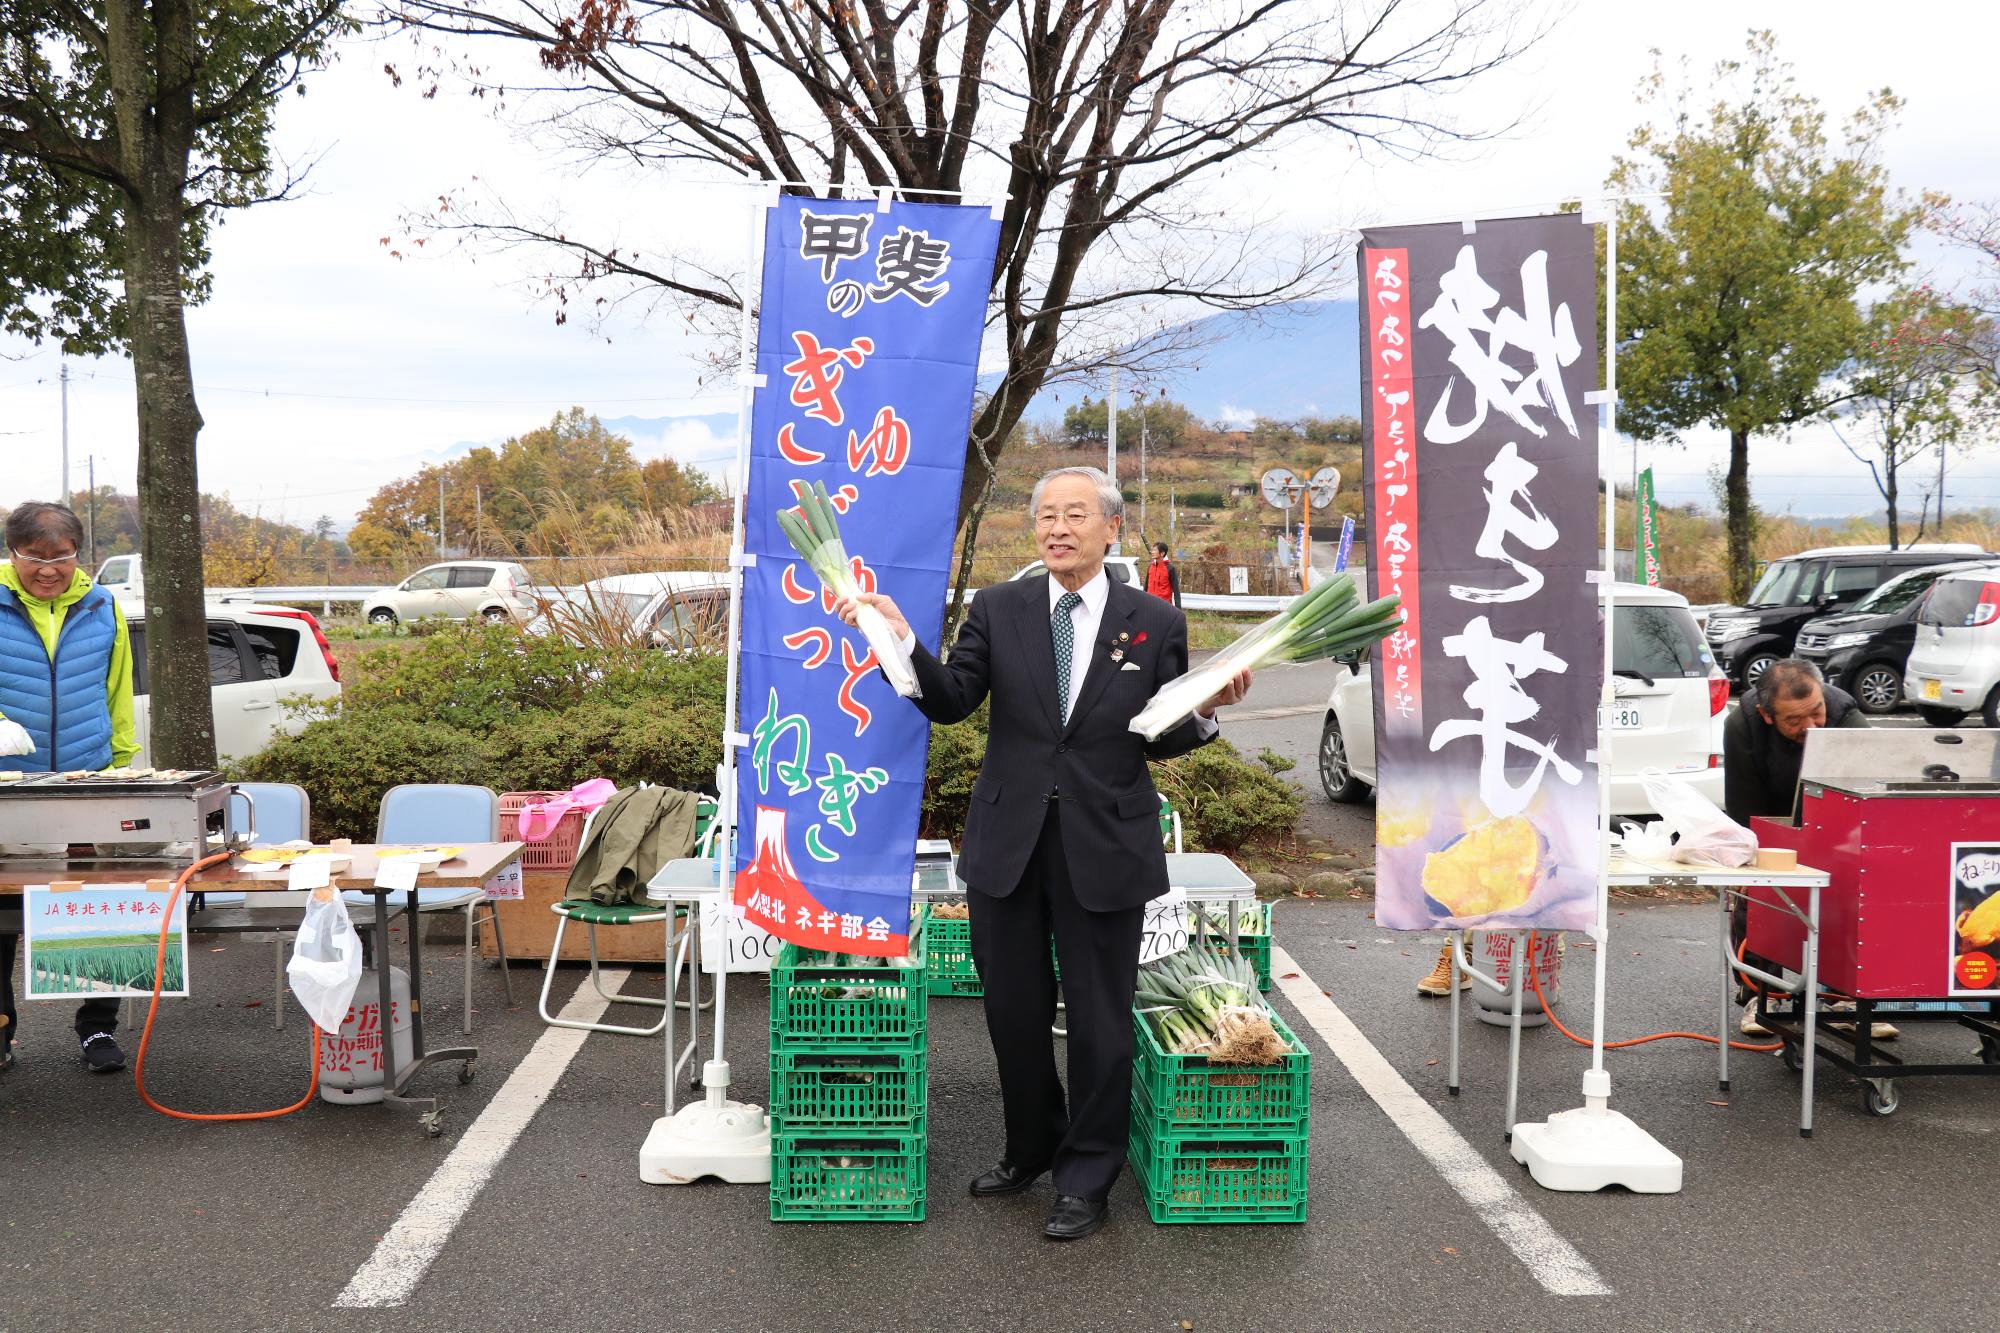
1005	1178
1073	1218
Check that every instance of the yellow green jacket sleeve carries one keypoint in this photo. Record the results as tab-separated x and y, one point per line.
118	694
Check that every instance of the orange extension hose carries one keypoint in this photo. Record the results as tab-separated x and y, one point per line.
1535	984
146	1036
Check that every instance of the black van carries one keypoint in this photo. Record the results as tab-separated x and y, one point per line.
1804	587
1864	650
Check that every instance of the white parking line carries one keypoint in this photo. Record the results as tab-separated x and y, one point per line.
1552	1261
404	1255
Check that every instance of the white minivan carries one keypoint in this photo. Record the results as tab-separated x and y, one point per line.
259	657
1954	666
1671	701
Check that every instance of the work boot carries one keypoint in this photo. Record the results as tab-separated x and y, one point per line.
1439	981
1750	1027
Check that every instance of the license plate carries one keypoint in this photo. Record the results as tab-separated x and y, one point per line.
1933	689
1619	717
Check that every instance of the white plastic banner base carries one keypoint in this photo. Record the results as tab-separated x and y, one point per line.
1590	1148
727	1140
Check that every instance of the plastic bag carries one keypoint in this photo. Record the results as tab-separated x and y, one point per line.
1650	841
14	739
326	960
1703	833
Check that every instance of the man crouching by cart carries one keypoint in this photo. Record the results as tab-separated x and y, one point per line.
65	704
1763	747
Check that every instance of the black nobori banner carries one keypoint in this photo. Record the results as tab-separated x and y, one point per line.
1478	346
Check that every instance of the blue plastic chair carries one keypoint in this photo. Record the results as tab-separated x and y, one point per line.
434	813
283	814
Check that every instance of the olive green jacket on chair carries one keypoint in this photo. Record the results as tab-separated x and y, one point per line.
636	832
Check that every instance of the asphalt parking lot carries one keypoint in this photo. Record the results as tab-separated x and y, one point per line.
114	1208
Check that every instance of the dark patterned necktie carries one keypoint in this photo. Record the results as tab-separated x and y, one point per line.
1063	630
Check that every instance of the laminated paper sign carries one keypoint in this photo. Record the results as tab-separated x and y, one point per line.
101	941
868	343
1481	456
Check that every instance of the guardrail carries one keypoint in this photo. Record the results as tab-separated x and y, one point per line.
328	594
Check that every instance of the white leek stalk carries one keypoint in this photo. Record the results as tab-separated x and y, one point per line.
1317	624
815	534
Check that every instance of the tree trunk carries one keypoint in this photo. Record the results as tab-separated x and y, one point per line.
183	716
1739	518
1889	493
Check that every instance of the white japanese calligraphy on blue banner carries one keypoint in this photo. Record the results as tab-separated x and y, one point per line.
868	341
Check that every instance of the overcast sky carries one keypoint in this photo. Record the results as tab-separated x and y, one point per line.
325	367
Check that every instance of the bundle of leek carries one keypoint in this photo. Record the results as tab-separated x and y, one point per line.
1202	1002
815	534
1317	624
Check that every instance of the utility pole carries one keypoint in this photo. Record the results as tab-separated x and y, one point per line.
1111	442
90	463
478	522
62	377
1142	472
440	513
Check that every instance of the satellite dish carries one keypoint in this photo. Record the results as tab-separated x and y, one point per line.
1281	486
1325	485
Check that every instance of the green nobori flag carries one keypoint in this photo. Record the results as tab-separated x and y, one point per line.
1648	511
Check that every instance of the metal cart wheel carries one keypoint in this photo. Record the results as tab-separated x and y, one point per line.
1878	1096
1793	1057
466	1070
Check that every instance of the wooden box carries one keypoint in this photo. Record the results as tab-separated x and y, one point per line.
531	930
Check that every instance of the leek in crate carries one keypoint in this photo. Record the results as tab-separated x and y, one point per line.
1315	625
1203	1002
815	534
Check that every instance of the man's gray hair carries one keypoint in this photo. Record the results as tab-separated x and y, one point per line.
1108	498
41	521
1790	679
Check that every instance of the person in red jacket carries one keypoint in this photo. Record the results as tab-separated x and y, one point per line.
1161	580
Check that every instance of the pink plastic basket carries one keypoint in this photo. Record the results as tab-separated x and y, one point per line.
555	853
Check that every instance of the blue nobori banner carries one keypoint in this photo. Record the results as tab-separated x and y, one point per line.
868	344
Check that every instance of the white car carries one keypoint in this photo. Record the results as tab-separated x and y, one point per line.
258	657
492	590
1122	568
1954	665
1669	714
672	609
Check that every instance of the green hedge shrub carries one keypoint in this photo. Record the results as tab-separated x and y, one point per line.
488	705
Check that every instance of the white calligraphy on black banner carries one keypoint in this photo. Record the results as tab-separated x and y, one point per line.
1478	349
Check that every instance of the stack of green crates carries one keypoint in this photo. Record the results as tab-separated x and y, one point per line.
1257	948
1219	1143
849	1090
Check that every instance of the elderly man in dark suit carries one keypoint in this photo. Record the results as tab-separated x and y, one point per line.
1063	834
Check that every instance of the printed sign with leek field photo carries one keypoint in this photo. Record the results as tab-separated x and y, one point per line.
102	941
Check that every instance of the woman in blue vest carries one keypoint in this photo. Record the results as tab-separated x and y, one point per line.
65	704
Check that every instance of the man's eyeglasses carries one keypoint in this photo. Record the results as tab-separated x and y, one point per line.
23	559
1074	518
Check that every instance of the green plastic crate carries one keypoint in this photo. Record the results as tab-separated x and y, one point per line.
948	956
881	1091
836	1009
847	1177
1188	1092
1256	948
1219	1178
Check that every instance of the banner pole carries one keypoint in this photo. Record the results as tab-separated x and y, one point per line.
715	1074
1593	1146
1607	692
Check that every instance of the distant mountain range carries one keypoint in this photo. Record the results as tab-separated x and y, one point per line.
1303	359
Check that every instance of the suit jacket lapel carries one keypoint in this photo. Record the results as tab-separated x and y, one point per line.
1040	647
1119	604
